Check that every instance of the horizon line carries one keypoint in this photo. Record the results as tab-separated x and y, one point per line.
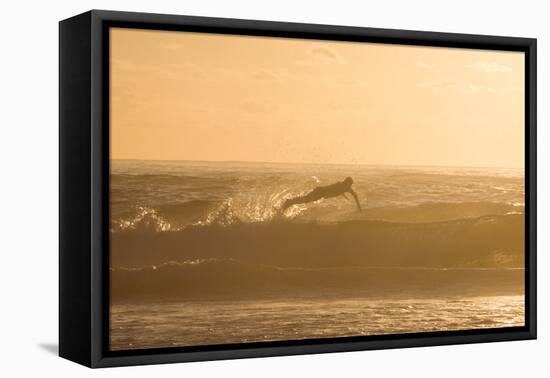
312	163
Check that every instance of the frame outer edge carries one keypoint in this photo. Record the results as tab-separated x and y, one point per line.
74	192
98	248
532	127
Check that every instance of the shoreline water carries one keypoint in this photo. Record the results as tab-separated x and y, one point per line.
157	325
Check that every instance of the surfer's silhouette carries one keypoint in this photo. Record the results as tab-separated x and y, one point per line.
328	191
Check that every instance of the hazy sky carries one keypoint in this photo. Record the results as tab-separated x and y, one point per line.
193	96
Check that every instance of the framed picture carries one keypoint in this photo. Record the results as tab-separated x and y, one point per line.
234	188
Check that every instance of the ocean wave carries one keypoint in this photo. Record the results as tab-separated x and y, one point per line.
488	241
231	279
227	262
265	208
145	219
442	211
175	217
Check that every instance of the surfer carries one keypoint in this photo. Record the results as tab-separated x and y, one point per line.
328	191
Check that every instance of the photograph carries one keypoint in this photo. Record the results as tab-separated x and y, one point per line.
268	189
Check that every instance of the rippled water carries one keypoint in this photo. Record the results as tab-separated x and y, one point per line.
176	194
155	325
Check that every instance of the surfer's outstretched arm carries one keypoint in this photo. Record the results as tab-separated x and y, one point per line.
352	192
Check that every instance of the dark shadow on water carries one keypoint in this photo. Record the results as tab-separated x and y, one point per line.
52	348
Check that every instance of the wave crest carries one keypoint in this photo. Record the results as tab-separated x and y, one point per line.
251	209
220	278
265	208
145	219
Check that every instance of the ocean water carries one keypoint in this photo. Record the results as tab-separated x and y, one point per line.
171	195
201	254
173	324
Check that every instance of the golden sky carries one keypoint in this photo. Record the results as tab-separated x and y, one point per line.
195	96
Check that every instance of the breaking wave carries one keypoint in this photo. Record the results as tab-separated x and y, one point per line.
487	241
266	209
232	279
251	209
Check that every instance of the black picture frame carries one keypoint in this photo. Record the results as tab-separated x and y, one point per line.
84	187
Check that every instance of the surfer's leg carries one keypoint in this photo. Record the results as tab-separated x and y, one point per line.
312	196
290	202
